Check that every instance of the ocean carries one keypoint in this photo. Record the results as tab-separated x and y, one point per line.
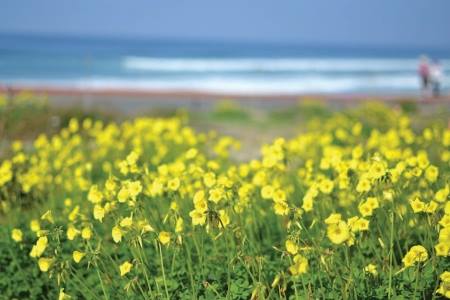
210	66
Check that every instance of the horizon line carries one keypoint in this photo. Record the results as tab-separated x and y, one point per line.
213	40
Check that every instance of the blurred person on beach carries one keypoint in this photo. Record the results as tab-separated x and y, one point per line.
436	75
424	73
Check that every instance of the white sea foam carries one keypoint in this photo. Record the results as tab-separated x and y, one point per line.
252	75
272	64
250	85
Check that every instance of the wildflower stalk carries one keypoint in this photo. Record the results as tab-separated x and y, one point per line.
391	253
227	244
101	282
81	282
190	271
416	284
144	269
163	271
98	274
156	282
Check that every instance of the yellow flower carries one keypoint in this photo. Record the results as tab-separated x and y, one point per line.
361	225
74	213
444	290
291	247
164	237
94	195
333	219
377	169
123	194
363	185
445	221
210	179
174	184
216	194
338	233
48	216
39	247
372	269
198	217
191	153
442	194
431	173
200	205
99	212
174	206
179	225
372	202
34	225
442	249
307	204
45	263
126	222
267	192
365	209
68	202
445	277
132	158
77	256
431	207
326	186
444	235
281	208
86	233
144	226
116	234
72	232
224	218
134	188
352	223
62	295
388	195
123	167
110	185
199	196
416	254
417	205
17	235
125	268
279	196
300	265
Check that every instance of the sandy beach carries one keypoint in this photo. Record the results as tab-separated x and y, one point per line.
133	100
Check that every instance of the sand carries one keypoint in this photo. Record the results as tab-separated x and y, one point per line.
132	101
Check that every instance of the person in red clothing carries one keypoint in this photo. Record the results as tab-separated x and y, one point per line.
424	73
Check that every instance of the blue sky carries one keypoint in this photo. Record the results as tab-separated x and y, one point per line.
422	23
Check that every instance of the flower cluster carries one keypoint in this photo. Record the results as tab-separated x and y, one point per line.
137	200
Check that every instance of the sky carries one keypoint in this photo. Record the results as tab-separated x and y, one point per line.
397	23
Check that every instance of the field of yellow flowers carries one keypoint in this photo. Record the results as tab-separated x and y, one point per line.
354	207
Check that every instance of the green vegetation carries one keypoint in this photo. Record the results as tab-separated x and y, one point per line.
354	205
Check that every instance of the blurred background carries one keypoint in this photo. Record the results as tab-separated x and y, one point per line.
253	69
253	47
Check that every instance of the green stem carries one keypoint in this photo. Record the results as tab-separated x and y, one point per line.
83	284
101	282
98	274
144	269
417	279
163	271
189	266
391	250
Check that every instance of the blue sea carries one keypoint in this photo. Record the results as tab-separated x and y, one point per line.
210	66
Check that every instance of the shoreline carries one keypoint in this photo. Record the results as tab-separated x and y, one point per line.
192	95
